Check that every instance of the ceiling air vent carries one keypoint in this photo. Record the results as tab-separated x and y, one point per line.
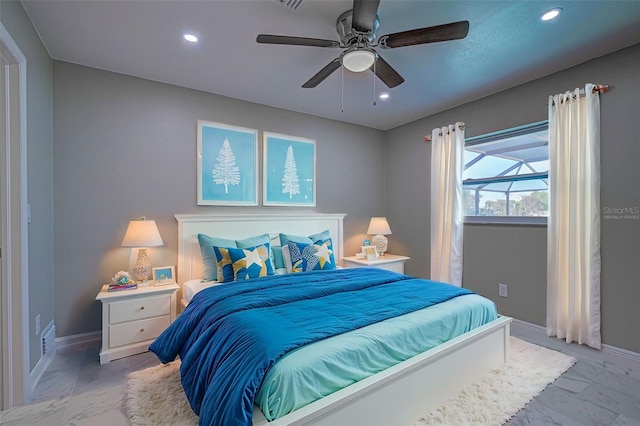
295	5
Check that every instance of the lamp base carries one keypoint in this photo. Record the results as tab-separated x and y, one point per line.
380	241
142	268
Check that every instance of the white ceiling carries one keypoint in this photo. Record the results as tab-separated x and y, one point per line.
507	45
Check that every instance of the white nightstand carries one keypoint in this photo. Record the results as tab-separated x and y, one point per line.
390	262
132	319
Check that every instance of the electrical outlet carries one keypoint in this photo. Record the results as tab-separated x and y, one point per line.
503	290
38	325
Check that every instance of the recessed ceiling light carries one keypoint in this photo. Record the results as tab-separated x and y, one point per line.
551	14
384	96
190	38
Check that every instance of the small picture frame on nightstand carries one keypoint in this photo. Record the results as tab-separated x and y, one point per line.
370	252
164	275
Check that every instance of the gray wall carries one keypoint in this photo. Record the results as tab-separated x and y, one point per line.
126	147
517	255
39	168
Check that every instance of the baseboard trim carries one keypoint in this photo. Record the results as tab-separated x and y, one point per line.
75	339
609	353
620	352
529	325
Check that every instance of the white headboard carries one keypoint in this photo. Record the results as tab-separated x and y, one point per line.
239	226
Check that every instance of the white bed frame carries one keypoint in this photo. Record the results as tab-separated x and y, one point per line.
399	395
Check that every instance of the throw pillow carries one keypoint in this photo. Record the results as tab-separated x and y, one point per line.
251	262
310	257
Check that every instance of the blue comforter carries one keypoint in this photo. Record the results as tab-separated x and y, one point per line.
229	336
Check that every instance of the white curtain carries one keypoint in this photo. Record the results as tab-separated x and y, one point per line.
447	154
573	233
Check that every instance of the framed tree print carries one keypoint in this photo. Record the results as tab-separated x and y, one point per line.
227	165
289	171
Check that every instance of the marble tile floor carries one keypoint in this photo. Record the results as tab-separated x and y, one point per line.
595	391
77	390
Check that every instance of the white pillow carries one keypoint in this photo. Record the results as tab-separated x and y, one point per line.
191	287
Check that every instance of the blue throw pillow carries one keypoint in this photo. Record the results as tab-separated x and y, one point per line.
311	257
278	257
216	264
210	270
253	241
225	266
250	262
321	236
256	241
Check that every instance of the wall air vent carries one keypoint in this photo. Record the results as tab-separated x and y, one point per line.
48	339
295	5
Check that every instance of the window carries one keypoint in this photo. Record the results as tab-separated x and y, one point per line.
506	176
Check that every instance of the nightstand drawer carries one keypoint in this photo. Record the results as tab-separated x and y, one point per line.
139	308
391	266
137	331
390	262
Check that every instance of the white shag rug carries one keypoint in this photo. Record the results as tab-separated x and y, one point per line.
155	395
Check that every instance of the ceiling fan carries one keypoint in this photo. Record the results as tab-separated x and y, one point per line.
357	30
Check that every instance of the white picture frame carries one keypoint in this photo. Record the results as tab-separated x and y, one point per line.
227	165
289	169
370	252
164	275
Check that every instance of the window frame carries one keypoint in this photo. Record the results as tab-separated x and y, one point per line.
495	136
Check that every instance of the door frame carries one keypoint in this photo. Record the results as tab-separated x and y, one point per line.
14	271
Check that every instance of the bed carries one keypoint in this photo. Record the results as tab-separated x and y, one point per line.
411	387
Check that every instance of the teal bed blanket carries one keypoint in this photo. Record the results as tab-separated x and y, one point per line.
319	369
230	336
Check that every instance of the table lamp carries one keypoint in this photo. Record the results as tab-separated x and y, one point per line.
142	233
379	227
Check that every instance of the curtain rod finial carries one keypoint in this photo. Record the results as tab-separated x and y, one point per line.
602	88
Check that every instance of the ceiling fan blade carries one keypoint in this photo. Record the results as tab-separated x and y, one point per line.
386	73
296	41
452	31
322	74
364	13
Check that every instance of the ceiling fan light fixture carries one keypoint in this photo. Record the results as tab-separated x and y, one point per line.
358	60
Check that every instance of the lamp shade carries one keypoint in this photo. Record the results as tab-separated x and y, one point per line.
379	226
142	233
358	60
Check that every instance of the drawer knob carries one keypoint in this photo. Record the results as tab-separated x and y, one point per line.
142	330
142	308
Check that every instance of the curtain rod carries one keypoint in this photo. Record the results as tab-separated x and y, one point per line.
602	88
428	138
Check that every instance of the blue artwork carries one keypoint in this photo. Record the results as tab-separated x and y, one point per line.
289	171
227	165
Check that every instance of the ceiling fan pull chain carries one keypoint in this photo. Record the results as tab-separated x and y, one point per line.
374	83
342	89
